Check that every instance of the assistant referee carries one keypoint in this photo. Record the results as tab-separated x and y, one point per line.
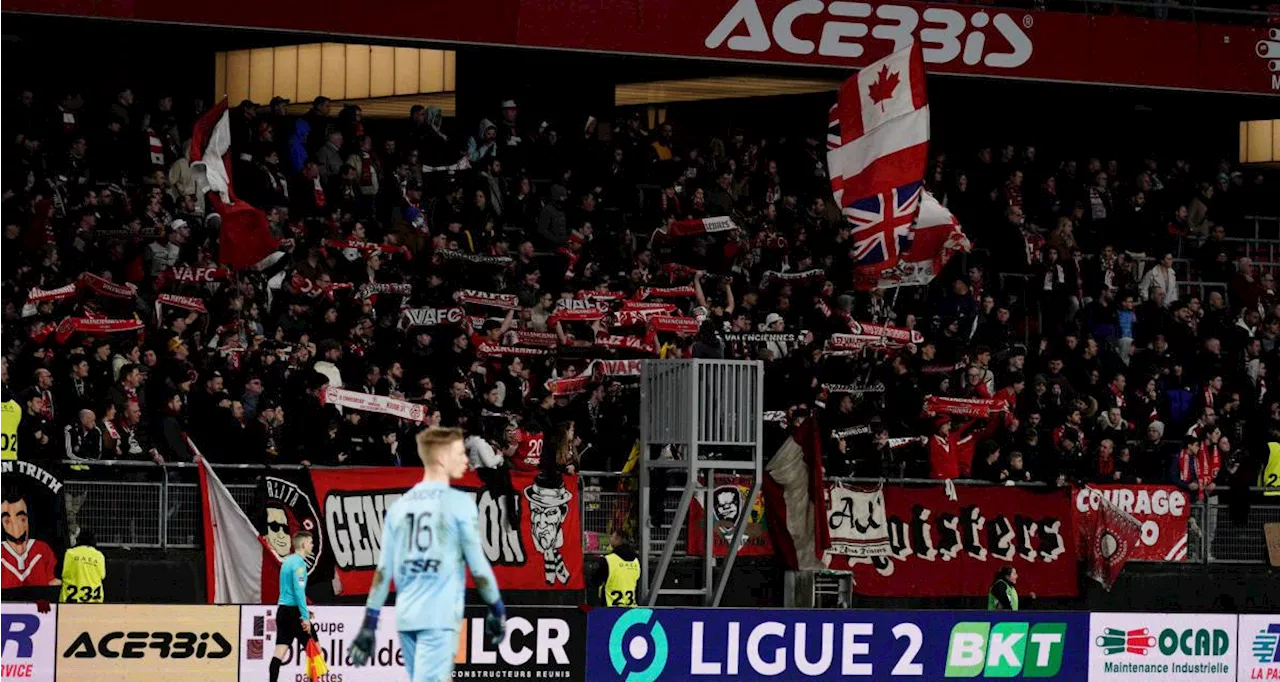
293	621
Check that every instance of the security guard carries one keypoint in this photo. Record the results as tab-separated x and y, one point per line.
1269	474
618	573
1003	596
11	414
83	569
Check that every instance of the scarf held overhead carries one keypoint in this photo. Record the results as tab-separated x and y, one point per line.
502	301
978	408
381	404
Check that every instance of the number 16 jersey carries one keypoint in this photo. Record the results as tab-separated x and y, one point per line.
430	537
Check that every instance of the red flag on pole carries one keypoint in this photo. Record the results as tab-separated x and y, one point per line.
245	236
1111	540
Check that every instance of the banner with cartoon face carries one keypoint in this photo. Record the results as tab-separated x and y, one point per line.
541	550
283	505
32	512
729	502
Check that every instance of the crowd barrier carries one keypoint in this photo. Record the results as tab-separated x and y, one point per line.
108	643
160	507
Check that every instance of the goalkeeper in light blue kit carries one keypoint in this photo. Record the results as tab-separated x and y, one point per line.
427	535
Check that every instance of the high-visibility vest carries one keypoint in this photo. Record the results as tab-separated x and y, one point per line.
1009	590
83	569
11	413
620	587
1269	475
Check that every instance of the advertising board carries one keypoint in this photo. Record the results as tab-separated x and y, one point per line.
1164	647
646	645
1258	650
550	640
105	643
29	642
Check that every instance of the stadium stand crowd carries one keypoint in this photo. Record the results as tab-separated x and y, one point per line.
460	270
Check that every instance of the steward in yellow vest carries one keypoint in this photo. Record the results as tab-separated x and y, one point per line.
83	570
1269	474
617	575
11	414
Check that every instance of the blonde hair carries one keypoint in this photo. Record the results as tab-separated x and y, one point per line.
433	439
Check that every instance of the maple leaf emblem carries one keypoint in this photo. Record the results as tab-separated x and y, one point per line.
883	87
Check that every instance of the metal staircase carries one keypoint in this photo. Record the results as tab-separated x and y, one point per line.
709	413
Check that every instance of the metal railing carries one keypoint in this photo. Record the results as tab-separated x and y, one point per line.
164	511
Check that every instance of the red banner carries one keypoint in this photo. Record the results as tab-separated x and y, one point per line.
945	548
728	503
1163	511
962	39
353	502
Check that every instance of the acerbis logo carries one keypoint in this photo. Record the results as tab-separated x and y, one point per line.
626	649
946	34
1266	644
980	649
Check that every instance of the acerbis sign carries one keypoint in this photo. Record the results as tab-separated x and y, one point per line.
840	29
643	645
147	642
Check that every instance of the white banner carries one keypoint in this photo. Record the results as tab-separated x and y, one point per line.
30	642
365	402
858	524
1162	647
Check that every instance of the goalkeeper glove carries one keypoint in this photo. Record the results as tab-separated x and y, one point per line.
495	623
362	647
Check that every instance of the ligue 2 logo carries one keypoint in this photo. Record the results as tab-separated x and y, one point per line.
636	649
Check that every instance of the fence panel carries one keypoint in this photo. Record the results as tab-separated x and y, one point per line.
120	513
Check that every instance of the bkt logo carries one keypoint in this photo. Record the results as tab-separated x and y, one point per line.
1266	644
945	34
979	649
20	630
626	648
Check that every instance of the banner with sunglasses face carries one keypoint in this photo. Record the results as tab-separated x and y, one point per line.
284	504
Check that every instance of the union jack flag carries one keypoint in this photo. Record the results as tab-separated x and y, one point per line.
882	225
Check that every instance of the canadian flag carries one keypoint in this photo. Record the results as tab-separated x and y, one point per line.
245	237
879	133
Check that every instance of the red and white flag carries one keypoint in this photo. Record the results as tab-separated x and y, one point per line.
245	237
936	237
233	548
1112	535
879	135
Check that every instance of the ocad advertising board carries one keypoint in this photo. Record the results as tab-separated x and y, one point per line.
1162	647
548	640
644	645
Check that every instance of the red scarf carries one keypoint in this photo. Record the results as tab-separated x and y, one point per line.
964	407
1208	462
367	165
155	148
